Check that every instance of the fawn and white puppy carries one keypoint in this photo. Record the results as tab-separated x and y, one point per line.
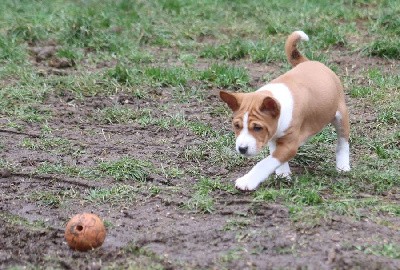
286	112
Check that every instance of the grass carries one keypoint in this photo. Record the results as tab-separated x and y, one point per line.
148	73
118	114
218	148
53	199
236	224
166	77
224	76
115	195
390	250
300	193
66	170
17	220
126	168
241	49
202	201
123	169
45	143
385	27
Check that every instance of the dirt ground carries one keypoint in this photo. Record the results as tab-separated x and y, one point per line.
154	230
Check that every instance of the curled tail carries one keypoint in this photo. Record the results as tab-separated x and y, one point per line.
293	55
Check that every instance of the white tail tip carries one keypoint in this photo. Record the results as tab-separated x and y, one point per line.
303	36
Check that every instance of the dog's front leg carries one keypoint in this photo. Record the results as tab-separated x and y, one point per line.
281	171
261	171
284	171
285	149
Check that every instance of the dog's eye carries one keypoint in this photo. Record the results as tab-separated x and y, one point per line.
236	125
257	128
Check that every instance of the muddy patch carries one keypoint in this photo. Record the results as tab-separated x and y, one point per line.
149	223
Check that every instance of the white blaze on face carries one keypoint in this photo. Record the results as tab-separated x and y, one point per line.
246	144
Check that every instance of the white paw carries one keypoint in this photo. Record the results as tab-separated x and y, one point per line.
283	171
246	183
343	168
286	176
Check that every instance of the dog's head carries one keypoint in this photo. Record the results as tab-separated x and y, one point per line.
255	119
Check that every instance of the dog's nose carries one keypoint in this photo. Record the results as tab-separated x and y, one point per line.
243	149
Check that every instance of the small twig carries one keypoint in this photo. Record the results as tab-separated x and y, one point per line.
77	182
104	135
20	133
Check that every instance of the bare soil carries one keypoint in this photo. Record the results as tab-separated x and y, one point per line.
155	230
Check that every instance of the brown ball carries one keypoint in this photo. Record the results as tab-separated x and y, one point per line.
85	231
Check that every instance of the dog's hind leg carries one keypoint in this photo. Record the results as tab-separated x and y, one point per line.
342	126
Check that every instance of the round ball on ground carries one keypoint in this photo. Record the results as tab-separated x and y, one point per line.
84	232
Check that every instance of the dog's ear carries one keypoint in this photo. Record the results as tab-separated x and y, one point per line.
231	99
270	106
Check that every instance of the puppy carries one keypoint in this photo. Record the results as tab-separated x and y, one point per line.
286	112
